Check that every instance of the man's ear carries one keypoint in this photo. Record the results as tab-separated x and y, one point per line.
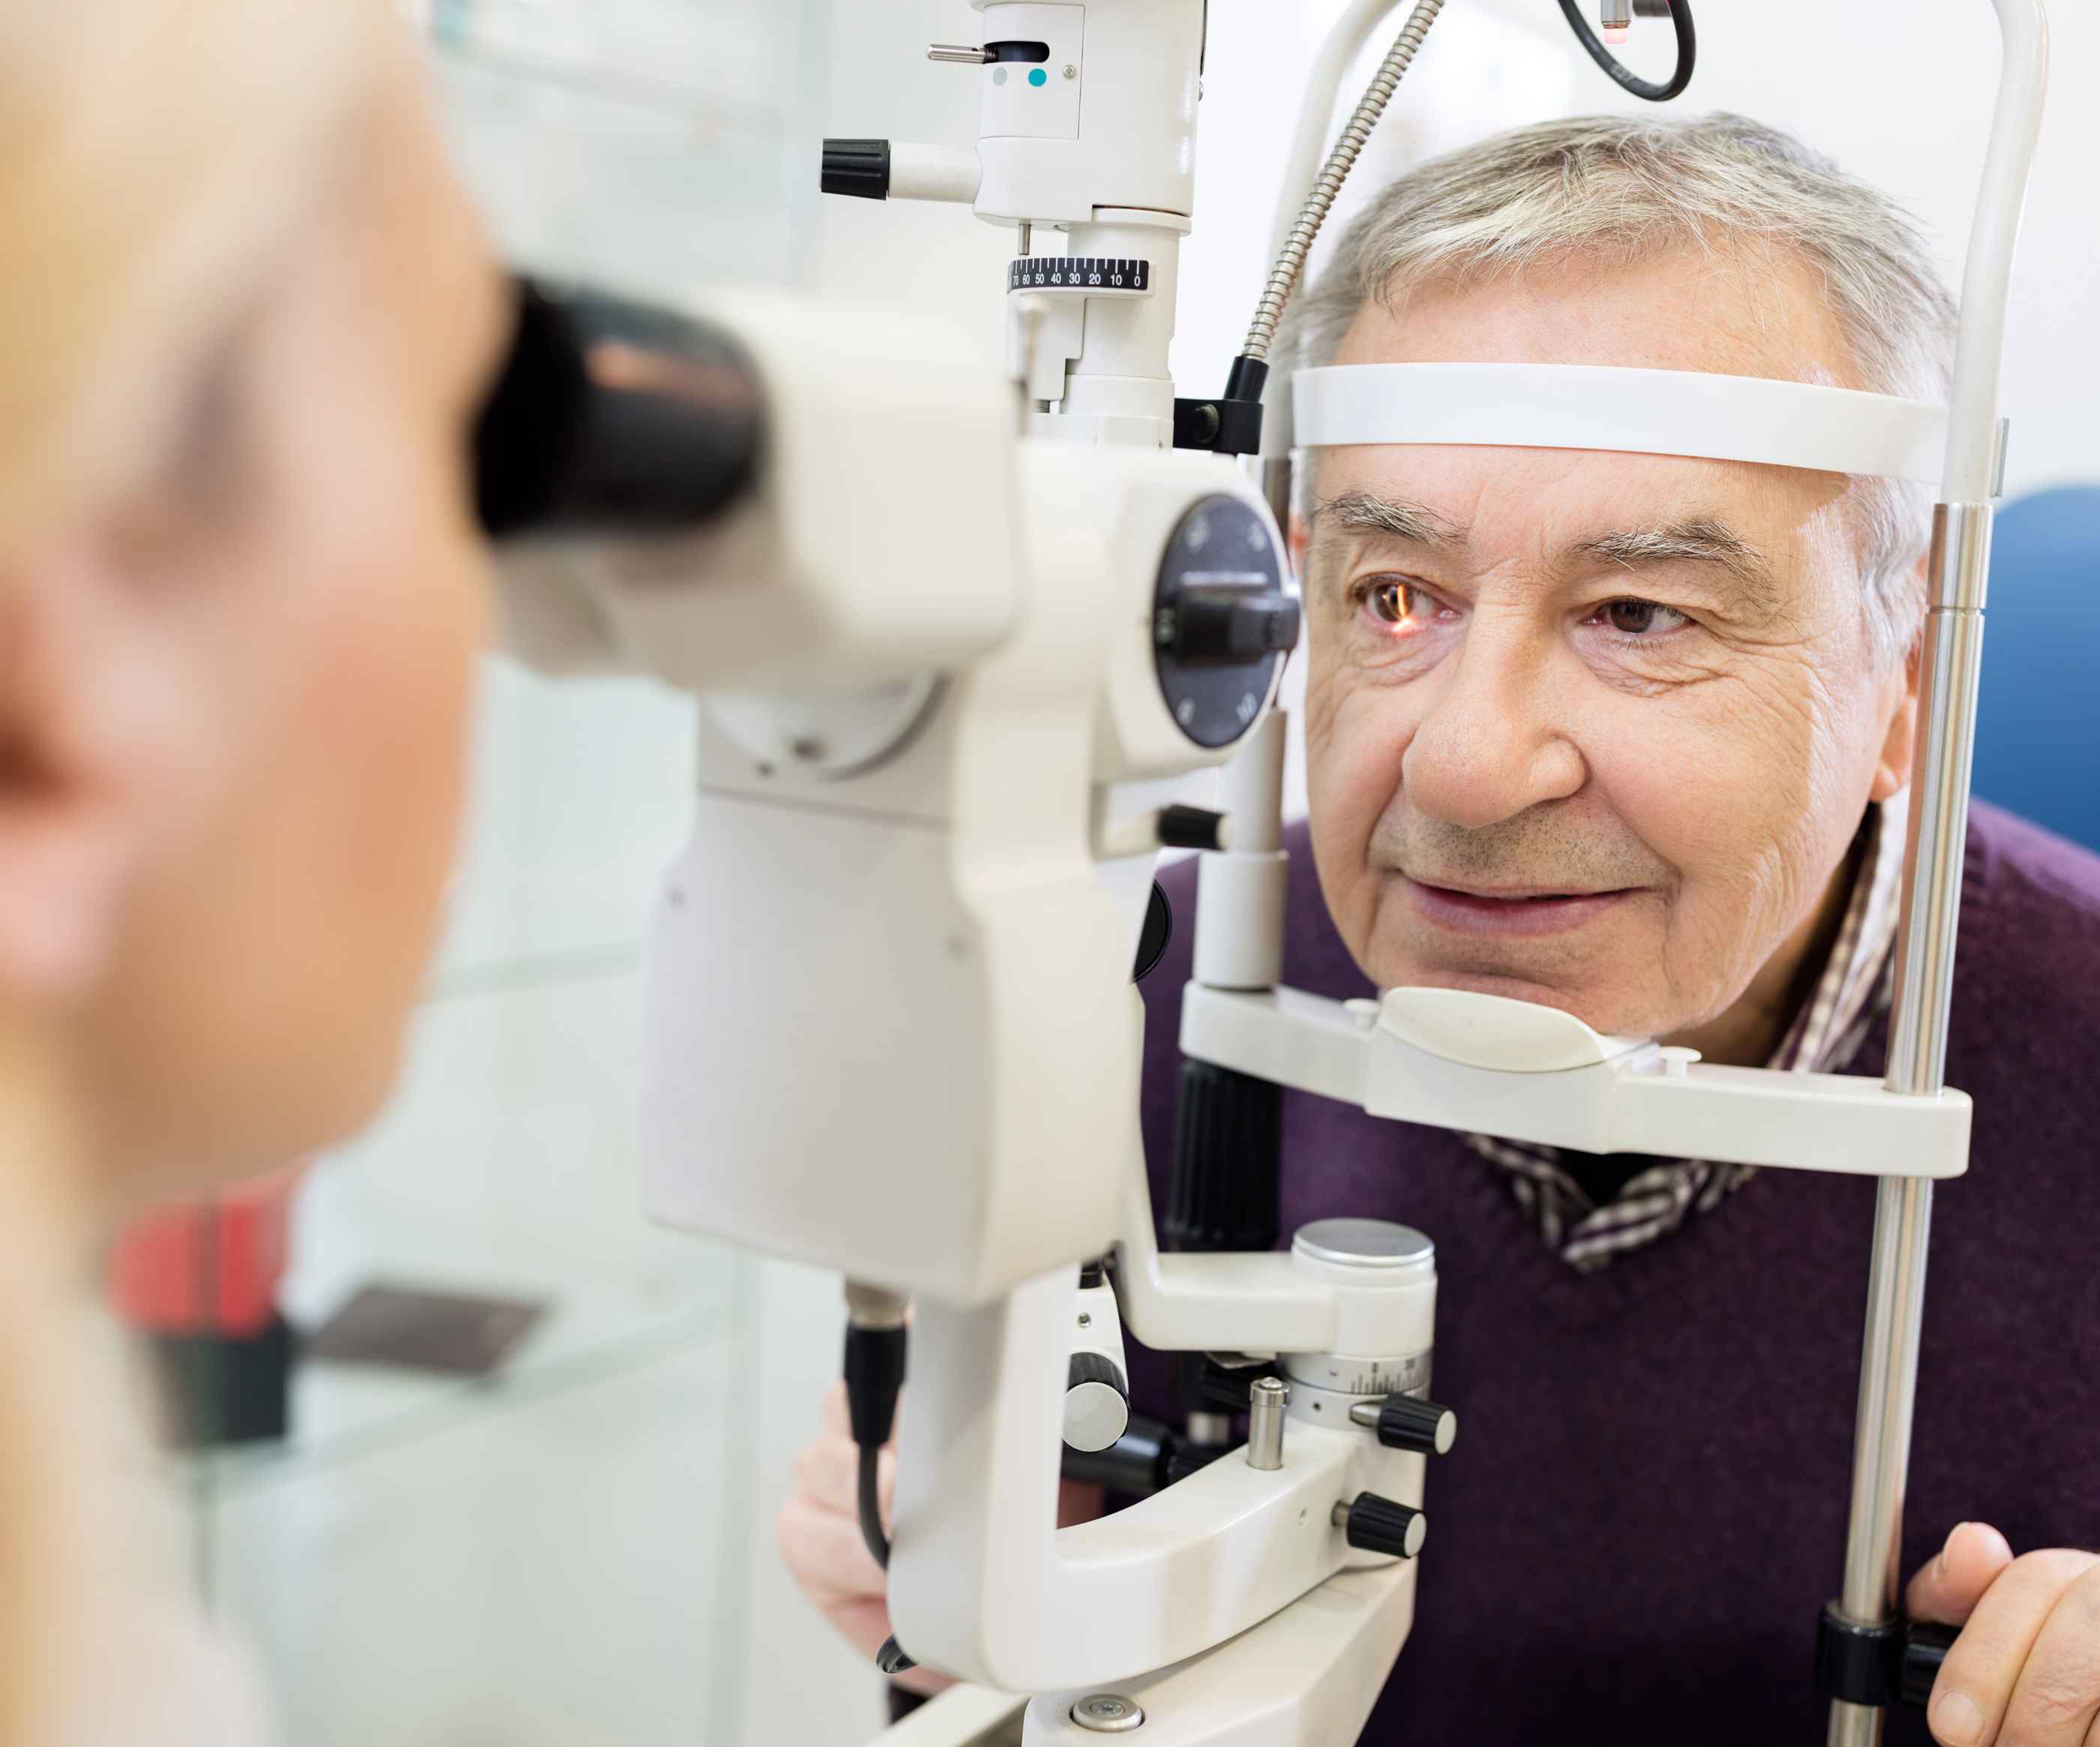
85	722
1899	700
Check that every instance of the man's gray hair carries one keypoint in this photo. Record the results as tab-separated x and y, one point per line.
1627	188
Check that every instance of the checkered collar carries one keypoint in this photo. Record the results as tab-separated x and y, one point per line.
1825	1037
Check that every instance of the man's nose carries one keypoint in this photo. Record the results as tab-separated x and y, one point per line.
1490	745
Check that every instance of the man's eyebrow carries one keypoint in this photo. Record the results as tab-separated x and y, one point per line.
1697	540
1364	512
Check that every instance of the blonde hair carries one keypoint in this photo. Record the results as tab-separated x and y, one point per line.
151	151
153	154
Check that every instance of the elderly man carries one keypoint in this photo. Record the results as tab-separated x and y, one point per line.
1628	735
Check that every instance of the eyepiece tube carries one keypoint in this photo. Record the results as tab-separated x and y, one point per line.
612	417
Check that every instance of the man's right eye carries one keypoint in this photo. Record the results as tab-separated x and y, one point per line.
1396	601
1397	610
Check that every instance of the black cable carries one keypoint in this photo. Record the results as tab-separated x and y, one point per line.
875	1374
871	1504
1687	52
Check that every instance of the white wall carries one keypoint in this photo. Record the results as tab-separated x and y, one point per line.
1900	95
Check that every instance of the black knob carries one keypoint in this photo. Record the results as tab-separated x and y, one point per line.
1407	1423
1228	1148
1222	1388
858	167
1924	1648
1381	1525
1093	1368
1186	827
1097	1402
1153	941
1233	626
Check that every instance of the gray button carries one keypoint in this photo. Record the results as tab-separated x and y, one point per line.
1363	1243
1107	1713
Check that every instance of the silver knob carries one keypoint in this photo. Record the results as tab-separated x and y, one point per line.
1266	1401
1107	1713
957	53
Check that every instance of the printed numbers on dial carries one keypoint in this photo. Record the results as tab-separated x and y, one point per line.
1078	273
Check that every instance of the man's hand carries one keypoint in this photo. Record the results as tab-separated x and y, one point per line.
2026	1670
820	1538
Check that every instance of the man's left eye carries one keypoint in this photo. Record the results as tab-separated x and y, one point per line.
1639	618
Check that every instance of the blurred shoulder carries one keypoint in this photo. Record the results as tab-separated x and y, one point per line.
2027	982
2018	872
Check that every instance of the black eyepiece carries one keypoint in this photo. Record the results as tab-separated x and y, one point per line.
610	416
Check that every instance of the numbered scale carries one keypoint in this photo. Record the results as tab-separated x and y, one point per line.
1089	275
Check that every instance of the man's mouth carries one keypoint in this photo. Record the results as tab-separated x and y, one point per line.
1508	910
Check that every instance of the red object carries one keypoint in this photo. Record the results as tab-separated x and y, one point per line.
212	1267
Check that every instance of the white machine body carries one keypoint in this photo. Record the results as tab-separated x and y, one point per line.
983	1583
886	981
1096	143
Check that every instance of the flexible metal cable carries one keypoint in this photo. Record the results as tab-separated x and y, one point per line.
1355	132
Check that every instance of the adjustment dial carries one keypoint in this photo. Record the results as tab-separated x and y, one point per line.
1382	1525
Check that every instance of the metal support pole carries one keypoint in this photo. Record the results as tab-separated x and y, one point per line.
1951	661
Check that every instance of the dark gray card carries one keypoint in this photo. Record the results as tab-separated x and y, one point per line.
458	1334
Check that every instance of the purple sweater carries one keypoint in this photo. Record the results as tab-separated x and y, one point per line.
1645	1508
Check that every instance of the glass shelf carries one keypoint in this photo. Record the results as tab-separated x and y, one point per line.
557	1551
506	1166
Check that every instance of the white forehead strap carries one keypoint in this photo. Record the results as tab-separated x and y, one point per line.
1570	406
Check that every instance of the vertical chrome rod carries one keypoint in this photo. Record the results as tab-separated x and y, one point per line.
1950	664
1938	836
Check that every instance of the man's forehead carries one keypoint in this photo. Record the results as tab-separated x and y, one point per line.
1739	311
1749	310
1494	497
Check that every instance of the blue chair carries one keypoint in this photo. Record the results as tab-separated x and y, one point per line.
2038	722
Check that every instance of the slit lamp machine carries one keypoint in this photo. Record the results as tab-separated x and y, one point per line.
937	760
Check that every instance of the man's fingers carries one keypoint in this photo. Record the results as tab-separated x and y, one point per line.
1950	1585
828	1471
865	1625
2058	1694
1079	1501
824	1551
1976	1682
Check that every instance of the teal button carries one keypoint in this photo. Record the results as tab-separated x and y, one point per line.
1039	78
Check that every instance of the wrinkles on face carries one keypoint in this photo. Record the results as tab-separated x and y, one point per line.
1555	847
1526	733
1515	740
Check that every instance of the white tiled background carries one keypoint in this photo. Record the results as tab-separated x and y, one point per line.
581	1554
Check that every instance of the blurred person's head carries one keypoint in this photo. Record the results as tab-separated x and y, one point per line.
245	317
1598	730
